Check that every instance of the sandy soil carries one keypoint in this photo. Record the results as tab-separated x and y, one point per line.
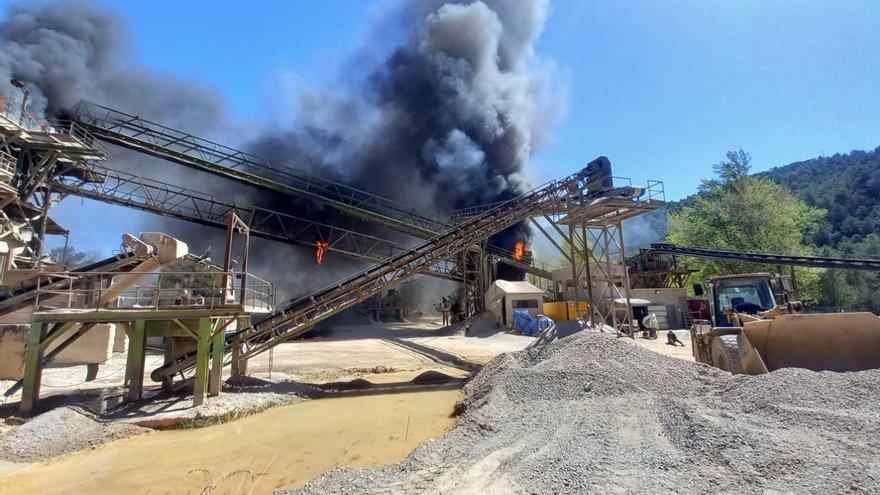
285	446
60	380
404	350
400	351
388	355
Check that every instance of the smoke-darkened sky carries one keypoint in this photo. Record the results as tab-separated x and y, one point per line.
663	89
448	117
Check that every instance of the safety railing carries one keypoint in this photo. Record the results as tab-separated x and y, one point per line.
154	291
19	116
655	191
63	131
7	165
79	134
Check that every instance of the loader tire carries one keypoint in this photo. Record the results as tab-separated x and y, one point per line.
725	353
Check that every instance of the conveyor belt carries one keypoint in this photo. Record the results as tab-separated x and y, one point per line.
298	316
770	259
157	140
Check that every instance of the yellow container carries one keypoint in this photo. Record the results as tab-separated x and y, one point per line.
565	310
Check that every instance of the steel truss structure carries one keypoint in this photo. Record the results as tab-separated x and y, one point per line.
298	316
157	140
32	150
160	141
179	202
593	244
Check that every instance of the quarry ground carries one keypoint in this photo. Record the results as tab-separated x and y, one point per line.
598	413
388	356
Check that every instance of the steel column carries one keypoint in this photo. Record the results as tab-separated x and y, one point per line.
33	368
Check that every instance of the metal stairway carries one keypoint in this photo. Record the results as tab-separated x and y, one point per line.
298	316
157	140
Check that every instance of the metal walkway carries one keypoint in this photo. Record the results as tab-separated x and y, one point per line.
132	191
160	141
157	140
298	316
20	297
124	189
771	259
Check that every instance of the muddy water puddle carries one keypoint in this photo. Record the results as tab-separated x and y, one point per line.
281	447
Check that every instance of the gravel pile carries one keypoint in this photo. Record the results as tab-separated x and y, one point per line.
595	413
61	431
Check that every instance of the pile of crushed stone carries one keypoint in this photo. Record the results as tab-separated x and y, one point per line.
592	412
61	431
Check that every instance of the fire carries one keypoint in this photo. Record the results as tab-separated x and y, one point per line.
320	249
519	250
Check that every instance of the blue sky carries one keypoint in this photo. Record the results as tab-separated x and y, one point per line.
663	88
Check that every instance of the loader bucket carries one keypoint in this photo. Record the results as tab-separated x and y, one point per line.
818	342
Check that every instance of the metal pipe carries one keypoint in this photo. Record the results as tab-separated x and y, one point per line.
44	221
629	313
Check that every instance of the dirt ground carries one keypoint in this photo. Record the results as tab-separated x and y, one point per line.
660	346
400	351
381	353
388	356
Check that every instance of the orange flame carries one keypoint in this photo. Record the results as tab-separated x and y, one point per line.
320	249
519	249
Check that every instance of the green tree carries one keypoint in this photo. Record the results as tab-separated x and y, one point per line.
202	279
73	258
739	212
853	289
738	165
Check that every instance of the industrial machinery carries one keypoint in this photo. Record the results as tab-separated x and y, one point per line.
754	329
291	319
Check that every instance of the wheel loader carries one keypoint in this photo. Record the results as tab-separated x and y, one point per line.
754	328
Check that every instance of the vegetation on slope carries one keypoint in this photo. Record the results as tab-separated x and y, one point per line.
740	212
848	187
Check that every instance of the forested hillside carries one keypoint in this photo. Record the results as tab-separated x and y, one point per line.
847	186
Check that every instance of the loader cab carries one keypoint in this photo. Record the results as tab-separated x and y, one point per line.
741	293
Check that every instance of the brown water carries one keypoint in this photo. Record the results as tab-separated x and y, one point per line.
281	447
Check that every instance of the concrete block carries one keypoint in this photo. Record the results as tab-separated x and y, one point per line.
120	340
18	317
95	346
13	340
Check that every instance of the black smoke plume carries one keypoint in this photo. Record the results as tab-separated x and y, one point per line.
445	120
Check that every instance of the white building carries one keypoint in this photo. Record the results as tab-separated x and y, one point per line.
505	296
